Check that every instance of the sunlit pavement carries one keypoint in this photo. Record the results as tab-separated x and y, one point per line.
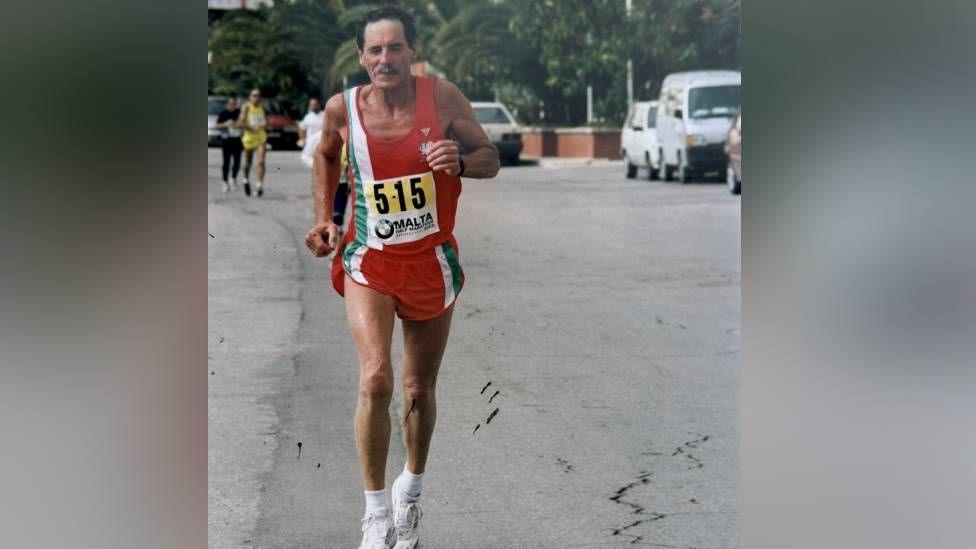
604	310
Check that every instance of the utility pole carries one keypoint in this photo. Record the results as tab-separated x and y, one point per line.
589	104
630	70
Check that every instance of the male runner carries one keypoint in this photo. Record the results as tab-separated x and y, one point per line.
399	256
253	120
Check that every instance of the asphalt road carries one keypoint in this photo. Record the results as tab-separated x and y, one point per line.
605	311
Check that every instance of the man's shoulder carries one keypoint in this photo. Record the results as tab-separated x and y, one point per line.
448	97
335	108
446	88
335	103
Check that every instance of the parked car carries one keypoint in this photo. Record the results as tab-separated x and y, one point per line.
501	128
215	104
281	127
733	173
638	139
693	116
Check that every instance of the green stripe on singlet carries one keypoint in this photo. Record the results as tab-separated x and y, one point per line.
360	212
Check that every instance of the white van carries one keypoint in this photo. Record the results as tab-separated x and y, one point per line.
638	139
695	110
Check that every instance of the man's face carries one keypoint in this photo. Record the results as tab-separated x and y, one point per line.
255	97
313	105
231	104
386	55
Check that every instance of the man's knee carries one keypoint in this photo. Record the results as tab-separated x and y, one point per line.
376	383
417	389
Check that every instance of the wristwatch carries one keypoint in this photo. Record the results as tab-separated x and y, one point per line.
461	162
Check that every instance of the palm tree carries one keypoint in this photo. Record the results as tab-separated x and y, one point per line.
479	52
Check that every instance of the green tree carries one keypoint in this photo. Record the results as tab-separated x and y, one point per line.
479	52
579	45
677	35
286	50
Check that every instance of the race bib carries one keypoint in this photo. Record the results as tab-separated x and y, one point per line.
233	132
402	209
255	120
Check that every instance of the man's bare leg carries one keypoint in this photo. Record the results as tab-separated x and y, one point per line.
371	315
423	344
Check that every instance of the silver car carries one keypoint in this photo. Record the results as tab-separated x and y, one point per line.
501	128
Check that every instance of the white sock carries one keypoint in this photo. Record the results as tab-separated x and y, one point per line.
410	485
376	503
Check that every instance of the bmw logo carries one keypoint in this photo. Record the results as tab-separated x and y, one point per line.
384	229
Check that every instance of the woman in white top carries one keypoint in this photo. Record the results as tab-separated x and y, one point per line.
310	131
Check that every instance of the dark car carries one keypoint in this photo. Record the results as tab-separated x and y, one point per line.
733	148
282	129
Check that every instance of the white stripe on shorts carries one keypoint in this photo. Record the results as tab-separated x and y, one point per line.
355	262
447	274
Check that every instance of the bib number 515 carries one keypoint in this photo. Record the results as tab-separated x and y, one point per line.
417	198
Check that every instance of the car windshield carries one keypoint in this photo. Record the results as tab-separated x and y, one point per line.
491	115
214	106
713	102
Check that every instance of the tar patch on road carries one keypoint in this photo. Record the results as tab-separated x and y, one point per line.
567	466
493	413
621	496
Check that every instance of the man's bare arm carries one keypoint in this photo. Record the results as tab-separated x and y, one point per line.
326	166
481	161
327	162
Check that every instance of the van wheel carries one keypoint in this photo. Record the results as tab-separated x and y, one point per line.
651	172
735	185
684	172
631	169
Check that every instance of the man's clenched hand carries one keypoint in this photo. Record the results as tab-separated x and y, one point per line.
445	155
322	239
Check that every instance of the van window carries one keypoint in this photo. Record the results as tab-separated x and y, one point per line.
713	102
630	117
651	118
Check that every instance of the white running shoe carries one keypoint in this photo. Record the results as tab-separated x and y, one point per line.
226	187
233	184
406	520
378	533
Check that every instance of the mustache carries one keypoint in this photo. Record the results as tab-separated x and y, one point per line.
386	69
